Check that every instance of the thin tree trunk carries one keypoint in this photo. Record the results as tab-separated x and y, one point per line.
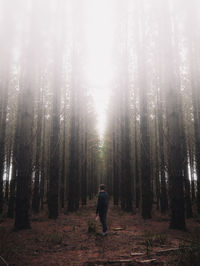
36	193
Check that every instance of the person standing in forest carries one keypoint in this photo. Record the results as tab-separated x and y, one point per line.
102	208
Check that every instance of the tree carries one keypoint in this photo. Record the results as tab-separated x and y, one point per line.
24	154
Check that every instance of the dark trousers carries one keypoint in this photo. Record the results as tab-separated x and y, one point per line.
102	217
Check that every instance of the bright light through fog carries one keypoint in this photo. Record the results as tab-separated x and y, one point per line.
99	34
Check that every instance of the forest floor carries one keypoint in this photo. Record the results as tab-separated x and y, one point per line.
130	240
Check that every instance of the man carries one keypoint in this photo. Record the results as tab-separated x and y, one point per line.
102	207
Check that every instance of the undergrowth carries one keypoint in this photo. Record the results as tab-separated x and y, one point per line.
152	240
188	254
55	238
92	227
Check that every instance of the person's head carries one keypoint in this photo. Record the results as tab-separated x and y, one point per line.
102	187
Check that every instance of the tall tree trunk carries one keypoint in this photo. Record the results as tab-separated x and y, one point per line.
54	156
12	197
115	166
2	142
194	64
63	168
53	186
6	35
24	155
73	200
84	166
188	205
8	166
126	167
157	172
36	193
163	194
177	220
147	196
43	161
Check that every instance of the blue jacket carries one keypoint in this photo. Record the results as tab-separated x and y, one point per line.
102	203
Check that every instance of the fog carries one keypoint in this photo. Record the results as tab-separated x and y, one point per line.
96	41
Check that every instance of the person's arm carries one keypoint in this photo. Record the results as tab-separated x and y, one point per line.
107	201
98	205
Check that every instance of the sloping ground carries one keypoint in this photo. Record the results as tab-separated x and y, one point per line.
130	241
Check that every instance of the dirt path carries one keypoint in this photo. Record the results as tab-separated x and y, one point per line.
66	241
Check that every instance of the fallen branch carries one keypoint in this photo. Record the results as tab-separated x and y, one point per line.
173	249
111	261
187	240
123	260
5	263
147	261
118	229
167	250
137	254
